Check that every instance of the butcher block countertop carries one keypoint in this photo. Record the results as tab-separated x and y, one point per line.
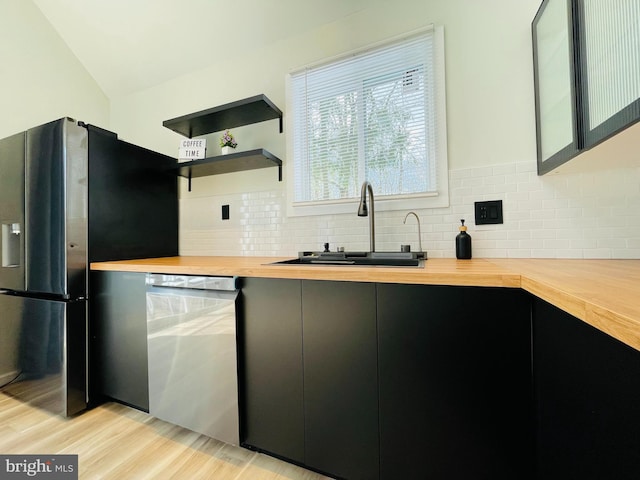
603	293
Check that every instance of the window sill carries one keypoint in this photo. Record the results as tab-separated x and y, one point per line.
349	206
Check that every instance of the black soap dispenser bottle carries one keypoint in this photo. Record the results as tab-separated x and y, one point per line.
463	243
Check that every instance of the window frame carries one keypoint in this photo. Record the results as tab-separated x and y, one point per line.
437	199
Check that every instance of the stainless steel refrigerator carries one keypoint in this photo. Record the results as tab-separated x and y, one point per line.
70	194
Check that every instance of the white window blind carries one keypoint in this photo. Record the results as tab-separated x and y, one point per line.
371	116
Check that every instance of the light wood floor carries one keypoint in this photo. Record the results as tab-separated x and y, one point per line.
117	442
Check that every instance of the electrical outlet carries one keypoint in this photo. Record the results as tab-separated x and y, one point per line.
489	212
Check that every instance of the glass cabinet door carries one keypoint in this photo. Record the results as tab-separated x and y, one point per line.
554	81
610	66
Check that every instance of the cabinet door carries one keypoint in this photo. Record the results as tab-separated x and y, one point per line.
610	66
118	326
270	363
455	383
588	400
587	75
340	378
556	128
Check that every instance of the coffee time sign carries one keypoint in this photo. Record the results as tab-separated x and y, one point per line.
192	149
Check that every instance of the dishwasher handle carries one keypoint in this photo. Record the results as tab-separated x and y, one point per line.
195	282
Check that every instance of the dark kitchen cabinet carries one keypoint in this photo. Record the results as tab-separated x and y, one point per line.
609	62
309	373
118	333
555	85
367	381
340	378
270	364
586	71
587	400
455	383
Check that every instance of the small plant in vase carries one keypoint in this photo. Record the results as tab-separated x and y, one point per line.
227	142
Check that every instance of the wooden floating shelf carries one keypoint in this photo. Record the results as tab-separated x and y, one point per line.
242	112
232	162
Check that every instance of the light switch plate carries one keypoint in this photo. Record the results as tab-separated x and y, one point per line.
489	212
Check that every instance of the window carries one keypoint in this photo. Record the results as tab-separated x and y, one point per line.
376	115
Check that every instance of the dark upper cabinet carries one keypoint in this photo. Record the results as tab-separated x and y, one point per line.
587	397
609	61
455	383
123	201
587	75
555	92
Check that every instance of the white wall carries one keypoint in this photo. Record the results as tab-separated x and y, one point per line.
40	79
489	76
491	142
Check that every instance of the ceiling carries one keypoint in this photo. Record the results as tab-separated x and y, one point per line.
130	45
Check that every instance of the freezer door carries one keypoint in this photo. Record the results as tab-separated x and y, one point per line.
56	209
43	352
12	167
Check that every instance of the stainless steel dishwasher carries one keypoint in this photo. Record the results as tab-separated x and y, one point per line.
191	339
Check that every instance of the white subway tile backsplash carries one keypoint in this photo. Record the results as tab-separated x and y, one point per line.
472	182
504	169
586	215
568	253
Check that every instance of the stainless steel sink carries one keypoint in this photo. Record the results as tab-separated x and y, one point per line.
379	259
